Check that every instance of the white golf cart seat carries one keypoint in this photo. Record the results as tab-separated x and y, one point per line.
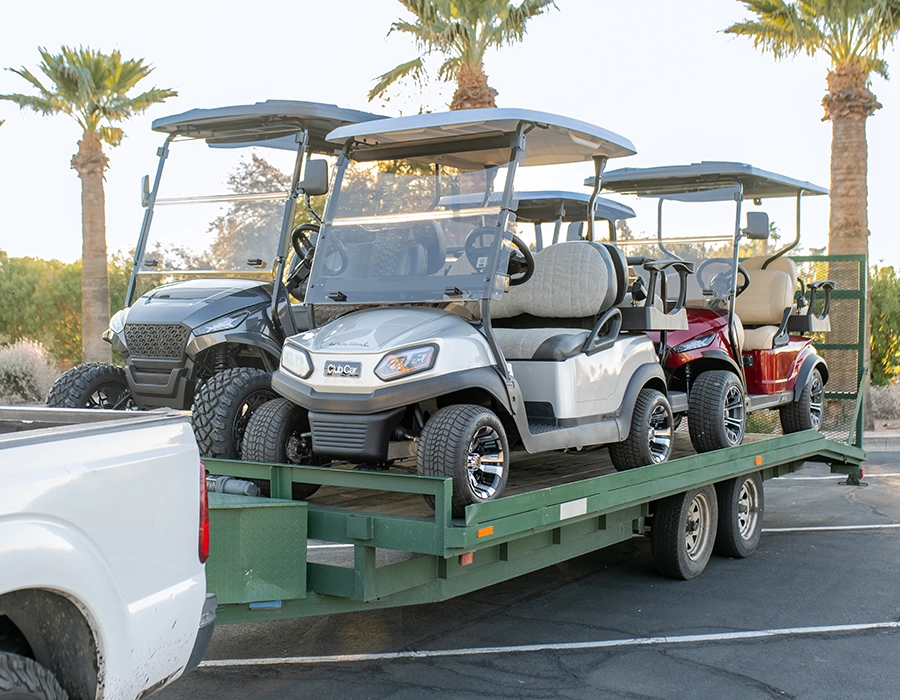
573	284
761	308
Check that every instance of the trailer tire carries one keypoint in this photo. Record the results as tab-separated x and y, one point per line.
275	435
717	415
92	385
649	440
22	678
683	532
741	505
808	411
454	443
223	407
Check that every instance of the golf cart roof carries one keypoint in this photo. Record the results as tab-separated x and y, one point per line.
476	137
546	205
273	122
706	181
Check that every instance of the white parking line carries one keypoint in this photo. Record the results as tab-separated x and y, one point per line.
833	528
834	476
573	646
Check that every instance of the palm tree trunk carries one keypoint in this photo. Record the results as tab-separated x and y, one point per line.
90	163
472	89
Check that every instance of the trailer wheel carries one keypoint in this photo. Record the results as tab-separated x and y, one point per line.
22	678
650	439
223	406
468	443
92	385
740	515
808	411
683	532
278	433
716	411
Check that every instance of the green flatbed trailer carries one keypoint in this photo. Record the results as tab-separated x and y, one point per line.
367	539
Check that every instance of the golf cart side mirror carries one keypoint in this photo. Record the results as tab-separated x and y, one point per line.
757	226
145	191
315	177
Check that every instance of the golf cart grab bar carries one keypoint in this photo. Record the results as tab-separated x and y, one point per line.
814	287
597	342
655	267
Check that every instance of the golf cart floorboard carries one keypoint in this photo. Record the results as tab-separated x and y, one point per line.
528	472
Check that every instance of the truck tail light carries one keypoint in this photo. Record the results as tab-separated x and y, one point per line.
203	548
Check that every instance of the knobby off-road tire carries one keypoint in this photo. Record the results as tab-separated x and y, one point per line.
808	411
92	385
224	405
22	678
468	443
741	506
683	532
275	434
650	438
717	415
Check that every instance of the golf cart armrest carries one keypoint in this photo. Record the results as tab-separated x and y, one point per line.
605	332
810	322
635	259
782	337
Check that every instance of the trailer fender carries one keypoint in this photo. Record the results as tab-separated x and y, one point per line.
648	375
809	364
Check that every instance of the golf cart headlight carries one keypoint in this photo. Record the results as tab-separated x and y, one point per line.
405	362
695	343
117	322
224	323
296	361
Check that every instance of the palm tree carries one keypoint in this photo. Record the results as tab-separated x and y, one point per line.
854	35
461	31
92	88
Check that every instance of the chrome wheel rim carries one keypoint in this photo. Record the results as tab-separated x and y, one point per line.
816	401
485	463
748	509
660	434
734	415
696	532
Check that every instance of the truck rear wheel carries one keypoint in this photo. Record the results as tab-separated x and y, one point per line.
716	411
278	432
650	439
92	385
22	678
808	411
468	443
683	532
224	405
740	515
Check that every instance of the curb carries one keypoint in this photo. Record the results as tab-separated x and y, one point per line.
881	442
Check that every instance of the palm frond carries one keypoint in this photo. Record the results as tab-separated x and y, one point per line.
412	69
112	135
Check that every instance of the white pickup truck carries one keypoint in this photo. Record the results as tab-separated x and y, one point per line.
104	532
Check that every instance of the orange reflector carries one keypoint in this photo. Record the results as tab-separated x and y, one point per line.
466	559
758	460
485	531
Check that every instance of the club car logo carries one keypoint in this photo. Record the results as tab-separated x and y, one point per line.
343	369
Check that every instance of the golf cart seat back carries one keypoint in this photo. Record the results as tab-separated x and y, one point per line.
567	307
781	263
764	308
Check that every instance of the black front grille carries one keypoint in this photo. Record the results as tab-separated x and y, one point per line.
165	340
338	435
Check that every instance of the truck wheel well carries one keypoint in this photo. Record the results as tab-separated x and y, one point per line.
49	628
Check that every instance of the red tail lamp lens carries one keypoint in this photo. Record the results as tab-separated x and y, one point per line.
203	549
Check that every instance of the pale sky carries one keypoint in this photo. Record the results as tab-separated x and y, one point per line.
659	72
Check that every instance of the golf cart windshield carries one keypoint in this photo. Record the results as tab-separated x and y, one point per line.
422	208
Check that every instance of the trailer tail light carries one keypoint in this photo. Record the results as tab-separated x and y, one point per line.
203	547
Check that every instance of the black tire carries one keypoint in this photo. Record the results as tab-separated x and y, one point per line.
741	506
22	678
683	532
717	415
649	440
275	435
223	406
92	385
451	437
808	411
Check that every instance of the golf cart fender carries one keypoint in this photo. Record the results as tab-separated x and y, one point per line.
722	356
647	375
813	361
256	340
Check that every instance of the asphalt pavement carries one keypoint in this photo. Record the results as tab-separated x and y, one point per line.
814	613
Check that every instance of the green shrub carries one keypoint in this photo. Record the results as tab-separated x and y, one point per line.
26	373
885	325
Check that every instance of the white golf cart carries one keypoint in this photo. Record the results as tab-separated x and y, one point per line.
468	343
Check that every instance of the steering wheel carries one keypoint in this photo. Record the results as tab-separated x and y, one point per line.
300	265
304	248
478	249
720	285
